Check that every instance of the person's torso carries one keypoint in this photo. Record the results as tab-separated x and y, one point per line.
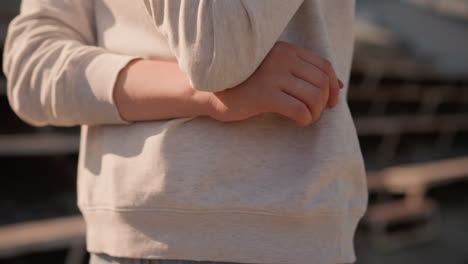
265	163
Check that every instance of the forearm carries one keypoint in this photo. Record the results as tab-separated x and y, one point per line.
155	90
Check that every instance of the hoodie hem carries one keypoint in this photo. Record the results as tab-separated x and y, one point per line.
222	236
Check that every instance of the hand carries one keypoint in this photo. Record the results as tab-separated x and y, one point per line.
291	81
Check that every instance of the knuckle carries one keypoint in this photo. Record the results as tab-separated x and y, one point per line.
281	83
312	95
316	113
317	105
300	112
298	109
324	81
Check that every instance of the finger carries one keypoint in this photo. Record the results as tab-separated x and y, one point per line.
327	67
292	108
312	75
308	94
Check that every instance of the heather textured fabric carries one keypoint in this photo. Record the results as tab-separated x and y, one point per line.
262	190
100	258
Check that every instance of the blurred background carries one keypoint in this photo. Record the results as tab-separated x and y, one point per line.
409	99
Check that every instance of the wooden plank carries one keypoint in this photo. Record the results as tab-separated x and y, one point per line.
38	144
377	126
453	8
41	235
416	178
418	223
416	95
399	210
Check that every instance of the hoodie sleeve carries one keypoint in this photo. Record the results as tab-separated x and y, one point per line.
55	74
220	43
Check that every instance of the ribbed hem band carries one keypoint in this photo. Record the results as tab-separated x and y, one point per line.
226	237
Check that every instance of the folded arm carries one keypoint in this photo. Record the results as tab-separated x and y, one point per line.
220	43
57	76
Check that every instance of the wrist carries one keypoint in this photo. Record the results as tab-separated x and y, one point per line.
205	101
155	90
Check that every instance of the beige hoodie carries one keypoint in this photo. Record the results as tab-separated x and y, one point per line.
262	190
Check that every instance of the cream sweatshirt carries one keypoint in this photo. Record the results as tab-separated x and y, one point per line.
262	190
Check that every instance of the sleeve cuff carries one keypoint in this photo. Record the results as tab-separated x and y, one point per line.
100	77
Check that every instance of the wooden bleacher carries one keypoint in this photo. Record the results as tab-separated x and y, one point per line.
412	181
417	94
418	223
45	235
415	179
38	144
370	126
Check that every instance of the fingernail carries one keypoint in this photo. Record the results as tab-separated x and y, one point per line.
341	84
